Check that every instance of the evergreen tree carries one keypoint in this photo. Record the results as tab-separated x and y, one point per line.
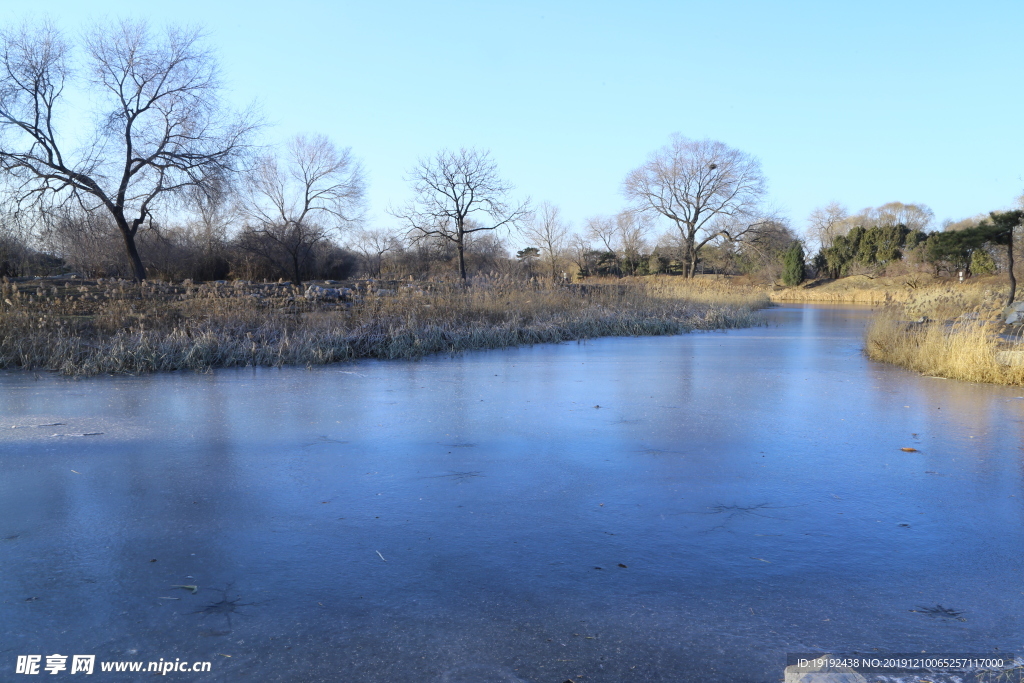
793	265
998	229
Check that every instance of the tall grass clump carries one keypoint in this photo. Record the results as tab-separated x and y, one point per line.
900	290
923	336
119	327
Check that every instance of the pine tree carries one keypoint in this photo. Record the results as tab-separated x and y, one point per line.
793	265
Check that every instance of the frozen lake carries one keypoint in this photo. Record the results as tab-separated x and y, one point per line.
684	508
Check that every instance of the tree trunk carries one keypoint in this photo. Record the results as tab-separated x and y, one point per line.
296	275
691	267
1013	279
684	259
462	258
690	262
138	270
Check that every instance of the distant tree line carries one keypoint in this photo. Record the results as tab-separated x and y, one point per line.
895	238
169	182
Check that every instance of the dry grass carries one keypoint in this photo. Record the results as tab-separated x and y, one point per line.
86	328
705	289
955	335
878	291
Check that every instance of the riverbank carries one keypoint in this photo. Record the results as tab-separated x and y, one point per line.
88	327
911	289
936	326
973	346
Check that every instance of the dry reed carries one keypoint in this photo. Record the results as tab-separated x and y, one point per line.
920	336
119	327
880	291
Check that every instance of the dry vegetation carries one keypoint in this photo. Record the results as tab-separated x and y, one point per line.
936	326
80	327
954	332
878	291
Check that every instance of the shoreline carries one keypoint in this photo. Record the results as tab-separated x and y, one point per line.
79	327
122	328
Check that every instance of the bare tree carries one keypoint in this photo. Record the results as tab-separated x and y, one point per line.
295	203
580	253
14	244
632	228
603	231
622	237
763	244
372	244
214	210
826	223
85	240
962	224
692	182
161	130
913	216
457	194
551	233
729	230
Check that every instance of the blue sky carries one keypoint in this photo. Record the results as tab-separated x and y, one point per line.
864	103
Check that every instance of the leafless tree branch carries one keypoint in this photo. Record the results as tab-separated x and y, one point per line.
693	182
293	204
457	193
163	130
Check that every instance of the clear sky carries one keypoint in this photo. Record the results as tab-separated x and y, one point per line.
863	102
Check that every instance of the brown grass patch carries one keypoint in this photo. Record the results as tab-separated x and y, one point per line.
922	335
91	327
905	289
